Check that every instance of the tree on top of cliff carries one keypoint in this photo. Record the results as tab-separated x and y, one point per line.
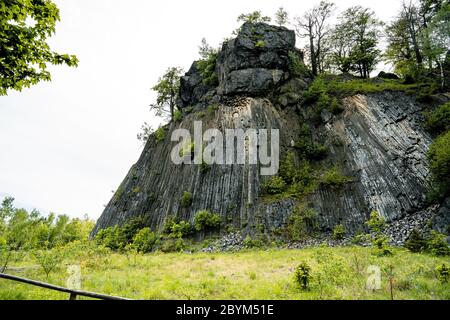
314	26
167	90
24	52
356	40
253	17
281	17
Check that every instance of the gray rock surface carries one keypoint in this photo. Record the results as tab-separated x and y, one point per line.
378	141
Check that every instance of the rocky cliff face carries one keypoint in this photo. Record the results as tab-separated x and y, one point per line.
378	141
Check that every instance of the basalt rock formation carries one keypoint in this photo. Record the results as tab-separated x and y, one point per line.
378	141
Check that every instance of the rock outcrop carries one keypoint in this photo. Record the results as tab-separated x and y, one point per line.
378	141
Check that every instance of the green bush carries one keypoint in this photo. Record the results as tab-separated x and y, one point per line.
205	220
177	116
296	65
335	107
309	150
302	223
213	108
274	185
145	240
339	232
377	224
415	242
334	178
117	238
439	157
180	230
186	199
302	275
315	90
438	120
437	244
48	260
207	68
260	44
250	243
443	273
160	134
111	238
173	245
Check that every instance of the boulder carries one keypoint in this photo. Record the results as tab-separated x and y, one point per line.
192	88
256	60
387	75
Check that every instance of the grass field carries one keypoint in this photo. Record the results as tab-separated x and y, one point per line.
337	273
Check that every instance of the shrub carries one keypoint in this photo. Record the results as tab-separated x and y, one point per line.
274	185
301	223
250	243
48	260
111	238
443	273
439	157
339	232
186	199
315	90
177	116
296	65
309	150
380	242
376	223
334	178
335	107
213	108
116	238
438	120
173	245
415	242
145	240
180	229
160	134
204	220
359	239
302	275
260	44
136	190
437	244
207	69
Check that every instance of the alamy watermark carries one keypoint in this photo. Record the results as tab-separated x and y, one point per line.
233	146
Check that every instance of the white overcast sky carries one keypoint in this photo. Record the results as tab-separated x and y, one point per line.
65	144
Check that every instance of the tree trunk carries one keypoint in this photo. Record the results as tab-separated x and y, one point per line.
312	49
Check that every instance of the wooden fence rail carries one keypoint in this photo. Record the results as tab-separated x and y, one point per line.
73	293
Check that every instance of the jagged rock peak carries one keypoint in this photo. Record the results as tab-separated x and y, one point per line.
253	63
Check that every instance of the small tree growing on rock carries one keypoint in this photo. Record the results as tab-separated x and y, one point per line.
167	91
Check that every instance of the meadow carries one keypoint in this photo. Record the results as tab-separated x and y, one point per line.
336	273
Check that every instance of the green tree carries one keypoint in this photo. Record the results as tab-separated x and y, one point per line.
253	17
281	17
437	36
25	27
355	41
207	64
439	157
314	26
167	90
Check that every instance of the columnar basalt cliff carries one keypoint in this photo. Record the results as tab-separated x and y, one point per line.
378	142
